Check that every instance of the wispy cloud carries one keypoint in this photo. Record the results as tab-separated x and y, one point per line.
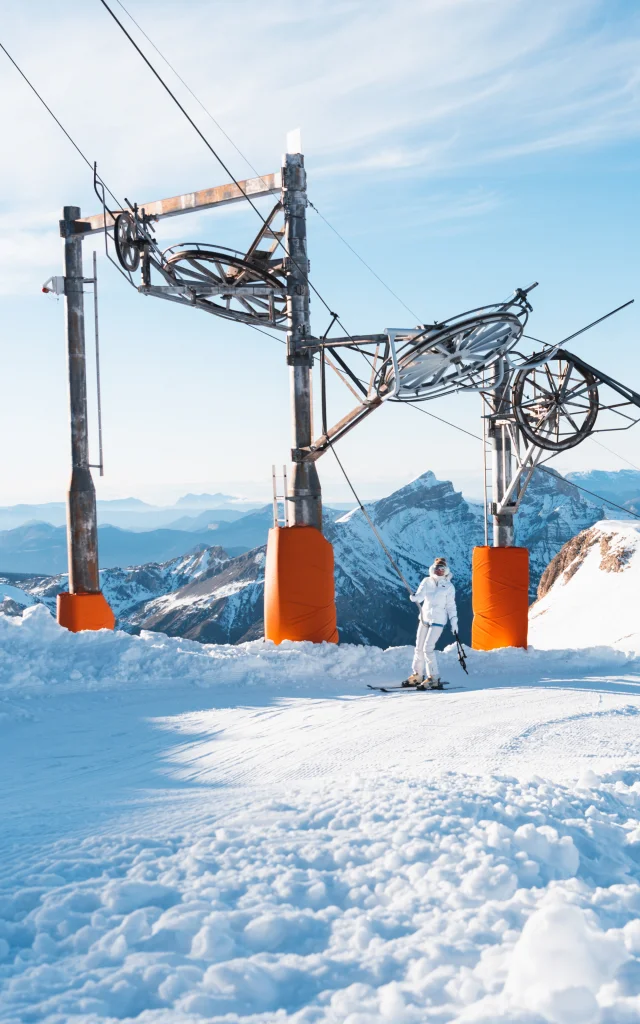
380	88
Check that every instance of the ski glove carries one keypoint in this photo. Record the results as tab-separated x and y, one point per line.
412	597
454	628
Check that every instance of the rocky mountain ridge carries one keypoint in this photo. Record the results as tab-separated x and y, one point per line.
590	593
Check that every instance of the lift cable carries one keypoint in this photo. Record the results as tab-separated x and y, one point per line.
88	162
363	261
542	469
594	323
116	200
248	162
477	438
216	155
369	520
190	91
617	454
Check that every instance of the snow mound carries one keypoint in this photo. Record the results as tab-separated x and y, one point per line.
404	902
38	656
590	593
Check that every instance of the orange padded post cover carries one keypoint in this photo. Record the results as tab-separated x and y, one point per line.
500	595
299	591
84	611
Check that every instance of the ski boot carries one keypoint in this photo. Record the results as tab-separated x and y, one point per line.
413	680
430	684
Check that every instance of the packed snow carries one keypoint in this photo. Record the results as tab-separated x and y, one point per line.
247	834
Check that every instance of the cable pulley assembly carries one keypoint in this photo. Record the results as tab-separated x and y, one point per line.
125	239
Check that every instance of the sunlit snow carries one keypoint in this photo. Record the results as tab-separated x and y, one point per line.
247	834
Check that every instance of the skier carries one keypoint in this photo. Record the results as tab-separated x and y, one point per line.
437	596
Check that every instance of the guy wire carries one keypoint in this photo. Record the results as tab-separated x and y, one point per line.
369	519
215	154
248	162
59	123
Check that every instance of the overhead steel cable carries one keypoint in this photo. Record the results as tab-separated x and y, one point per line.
75	145
363	261
216	155
543	469
370	520
190	91
582	330
617	454
248	162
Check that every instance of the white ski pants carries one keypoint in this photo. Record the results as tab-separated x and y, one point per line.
425	662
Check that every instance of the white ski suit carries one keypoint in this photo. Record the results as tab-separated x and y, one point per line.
437	596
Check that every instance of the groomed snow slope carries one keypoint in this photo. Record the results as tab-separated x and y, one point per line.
194	833
591	591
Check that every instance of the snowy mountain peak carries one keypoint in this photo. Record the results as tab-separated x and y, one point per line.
588	595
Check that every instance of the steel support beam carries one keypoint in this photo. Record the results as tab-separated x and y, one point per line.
502	469
82	527
205	199
304	507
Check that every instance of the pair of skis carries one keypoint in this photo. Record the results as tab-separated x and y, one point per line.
403	687
413	689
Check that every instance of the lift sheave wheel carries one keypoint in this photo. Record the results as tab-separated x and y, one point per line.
451	356
126	242
201	267
555	404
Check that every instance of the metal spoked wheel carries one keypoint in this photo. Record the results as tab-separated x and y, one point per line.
451	356
126	242
201	268
555	404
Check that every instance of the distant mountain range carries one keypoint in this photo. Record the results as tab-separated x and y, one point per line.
131	513
621	486
213	597
42	548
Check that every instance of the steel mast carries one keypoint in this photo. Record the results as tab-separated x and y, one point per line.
304	505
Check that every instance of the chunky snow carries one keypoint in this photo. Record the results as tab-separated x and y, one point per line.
246	834
595	594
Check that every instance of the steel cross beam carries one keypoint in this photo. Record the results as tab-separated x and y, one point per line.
205	199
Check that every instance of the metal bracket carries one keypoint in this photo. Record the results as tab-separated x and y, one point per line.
69	228
300	454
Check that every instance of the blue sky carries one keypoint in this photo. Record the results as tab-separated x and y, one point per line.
463	147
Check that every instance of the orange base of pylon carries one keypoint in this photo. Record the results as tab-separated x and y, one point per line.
500	596
299	590
84	611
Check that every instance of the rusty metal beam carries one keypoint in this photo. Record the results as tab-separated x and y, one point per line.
342	427
205	199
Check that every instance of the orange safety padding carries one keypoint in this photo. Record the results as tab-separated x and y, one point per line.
84	611
299	590
500	595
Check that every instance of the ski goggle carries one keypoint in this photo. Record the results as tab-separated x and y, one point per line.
440	570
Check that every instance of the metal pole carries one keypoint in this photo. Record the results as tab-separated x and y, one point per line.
97	337
503	528
485	482
305	505
82	527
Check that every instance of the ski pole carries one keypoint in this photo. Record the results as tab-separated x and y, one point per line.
462	658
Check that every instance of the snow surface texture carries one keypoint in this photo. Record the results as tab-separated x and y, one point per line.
593	594
243	834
